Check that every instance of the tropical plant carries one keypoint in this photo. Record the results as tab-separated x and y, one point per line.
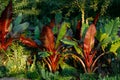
5	21
107	35
88	52
9	31
52	48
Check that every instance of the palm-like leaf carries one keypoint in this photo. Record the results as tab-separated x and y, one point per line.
89	39
47	38
61	33
28	41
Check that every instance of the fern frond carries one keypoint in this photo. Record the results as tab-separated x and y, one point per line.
112	27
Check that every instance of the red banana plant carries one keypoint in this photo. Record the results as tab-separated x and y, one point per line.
48	45
5	20
86	49
47	38
53	46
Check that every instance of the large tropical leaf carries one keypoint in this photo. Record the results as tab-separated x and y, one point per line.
27	41
47	38
20	28
5	20
61	33
112	27
18	20
89	39
74	44
37	32
108	32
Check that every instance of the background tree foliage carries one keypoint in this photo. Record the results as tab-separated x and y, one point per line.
68	8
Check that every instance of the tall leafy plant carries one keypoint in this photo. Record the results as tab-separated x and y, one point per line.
108	35
87	51
49	49
55	56
10	31
5	21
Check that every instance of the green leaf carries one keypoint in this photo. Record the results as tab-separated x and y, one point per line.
37	32
43	54
20	28
84	29
55	30
10	27
103	36
114	46
67	69
74	44
18	20
105	42
69	42
58	18
112	27
62	33
43	73
78	50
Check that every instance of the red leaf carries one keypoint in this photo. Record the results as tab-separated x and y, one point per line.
78	30
6	44
52	23
28	41
89	40
47	38
5	20
96	19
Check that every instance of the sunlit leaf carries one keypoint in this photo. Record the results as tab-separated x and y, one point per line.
62	33
47	38
43	54
89	39
74	44
114	46
103	36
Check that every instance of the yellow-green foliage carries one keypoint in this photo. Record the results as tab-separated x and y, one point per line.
16	57
115	45
28	7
